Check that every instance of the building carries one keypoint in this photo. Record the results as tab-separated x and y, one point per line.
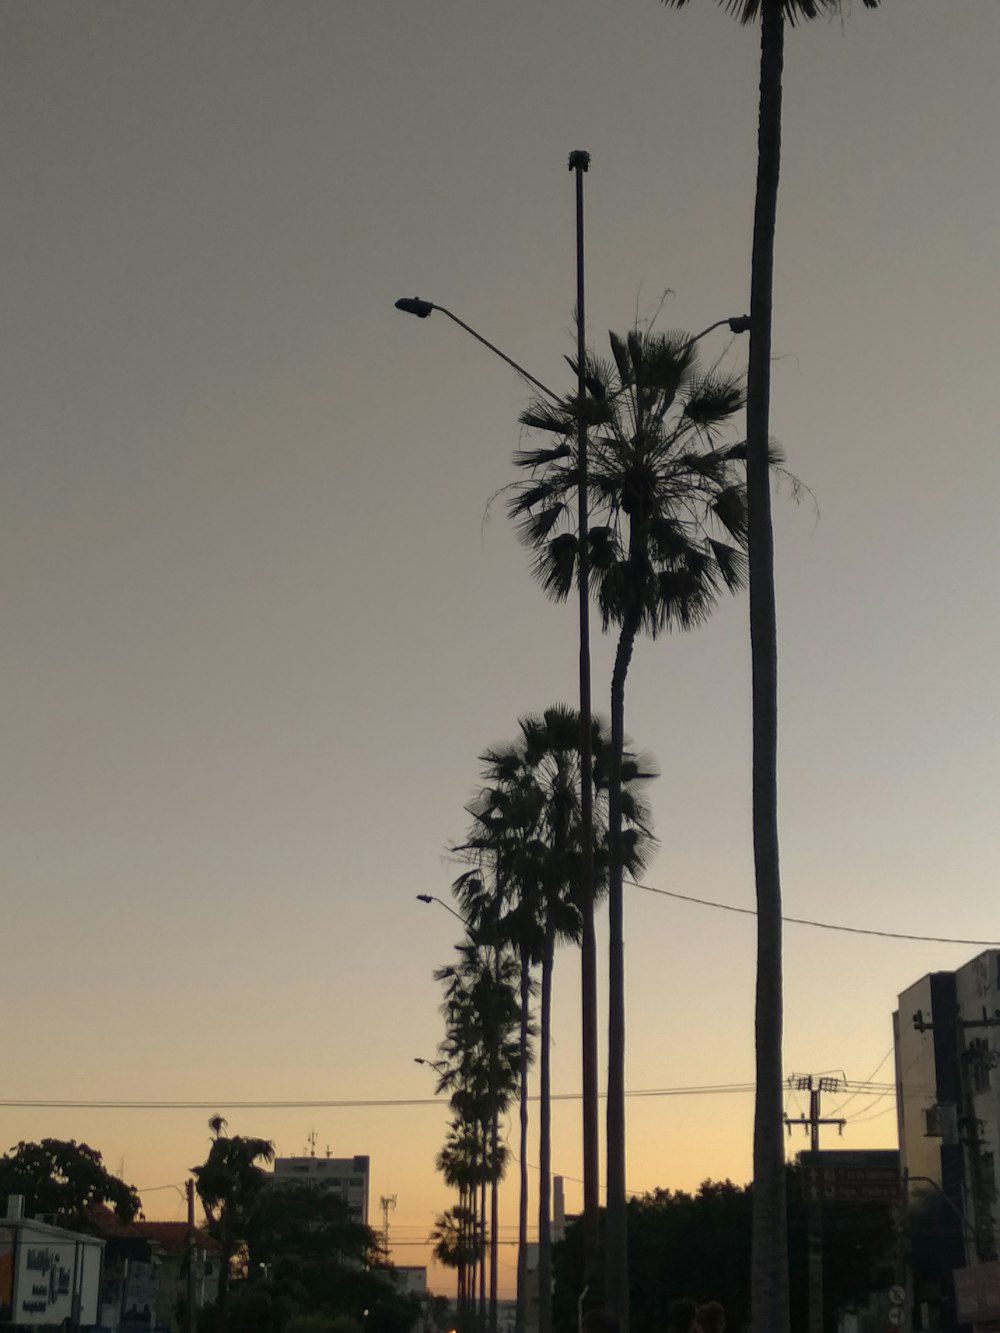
347	1176
947	1044
170	1243
48	1275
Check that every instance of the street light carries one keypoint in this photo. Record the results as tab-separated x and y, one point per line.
433	898
413	305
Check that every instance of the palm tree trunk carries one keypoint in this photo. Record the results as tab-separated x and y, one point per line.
482	1229
591	1108
545	1139
522	1210
617	1294
494	1211
770	1248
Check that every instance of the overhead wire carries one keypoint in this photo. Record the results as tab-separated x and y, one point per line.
818	925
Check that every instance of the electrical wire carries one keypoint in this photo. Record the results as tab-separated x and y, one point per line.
819	925
344	1104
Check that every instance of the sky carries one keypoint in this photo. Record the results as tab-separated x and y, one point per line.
260	619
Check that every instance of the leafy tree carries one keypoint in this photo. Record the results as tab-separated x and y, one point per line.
66	1179
295	1233
666	495
699	1245
229	1184
770	1249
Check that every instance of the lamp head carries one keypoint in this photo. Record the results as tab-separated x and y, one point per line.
738	324
412	305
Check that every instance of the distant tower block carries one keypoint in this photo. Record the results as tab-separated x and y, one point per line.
347	1177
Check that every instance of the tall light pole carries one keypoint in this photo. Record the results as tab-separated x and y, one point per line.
579	162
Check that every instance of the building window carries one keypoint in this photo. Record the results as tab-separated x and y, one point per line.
989	1176
981	1059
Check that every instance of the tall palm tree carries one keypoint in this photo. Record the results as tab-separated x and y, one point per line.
666	493
479	1068
770	1249
229	1182
531	809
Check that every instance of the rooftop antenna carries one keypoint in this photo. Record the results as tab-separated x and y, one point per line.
387	1202
312	1143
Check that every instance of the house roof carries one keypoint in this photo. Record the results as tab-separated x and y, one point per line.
105	1222
172	1237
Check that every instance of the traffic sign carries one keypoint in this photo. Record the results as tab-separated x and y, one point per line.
840	1177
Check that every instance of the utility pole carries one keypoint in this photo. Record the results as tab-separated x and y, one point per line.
812	1122
971	1058
192	1250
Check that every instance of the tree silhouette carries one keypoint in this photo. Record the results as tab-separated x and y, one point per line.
666	493
770	1309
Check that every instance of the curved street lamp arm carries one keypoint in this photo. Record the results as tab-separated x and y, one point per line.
433	898
736	324
502	355
414	306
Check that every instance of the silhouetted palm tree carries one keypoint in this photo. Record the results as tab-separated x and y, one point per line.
452	1247
229	1182
661	484
479	1068
770	1262
529	814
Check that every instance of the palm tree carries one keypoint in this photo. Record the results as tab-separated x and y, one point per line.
661	483
770	1248
450	1238
479	1068
229	1182
504	814
538	778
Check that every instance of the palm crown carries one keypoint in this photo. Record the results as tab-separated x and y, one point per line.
664	492
748	10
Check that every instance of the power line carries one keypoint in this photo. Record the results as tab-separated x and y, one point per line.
333	1103
693	1090
819	925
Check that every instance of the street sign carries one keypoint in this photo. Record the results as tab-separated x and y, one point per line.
897	1295
895	1315
841	1177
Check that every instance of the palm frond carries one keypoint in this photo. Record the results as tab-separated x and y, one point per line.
555	566
732	565
535	458
730	508
713	400
553	417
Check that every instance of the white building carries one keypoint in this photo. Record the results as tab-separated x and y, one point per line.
348	1177
947	1040
48	1275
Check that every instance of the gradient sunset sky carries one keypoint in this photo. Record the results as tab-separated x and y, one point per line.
256	628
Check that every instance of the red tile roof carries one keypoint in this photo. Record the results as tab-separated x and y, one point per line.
172	1236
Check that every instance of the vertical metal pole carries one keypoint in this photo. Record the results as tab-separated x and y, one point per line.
579	162
192	1312
815	1227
